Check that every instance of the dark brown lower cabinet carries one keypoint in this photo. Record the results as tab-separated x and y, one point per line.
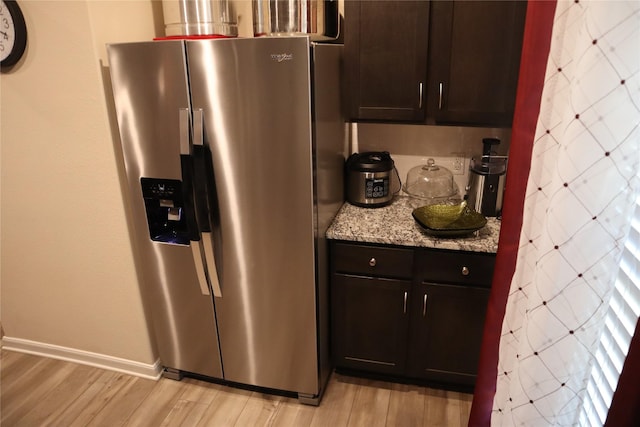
446	332
409	312
371	323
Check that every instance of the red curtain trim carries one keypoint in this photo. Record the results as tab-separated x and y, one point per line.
533	63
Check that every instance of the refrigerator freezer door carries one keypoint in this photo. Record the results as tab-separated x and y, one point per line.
255	95
150	87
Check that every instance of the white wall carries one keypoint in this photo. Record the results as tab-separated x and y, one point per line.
68	276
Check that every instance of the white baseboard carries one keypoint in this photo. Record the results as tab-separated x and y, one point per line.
97	360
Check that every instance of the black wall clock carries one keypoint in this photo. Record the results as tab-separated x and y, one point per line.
13	33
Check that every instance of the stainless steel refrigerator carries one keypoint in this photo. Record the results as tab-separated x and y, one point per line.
234	156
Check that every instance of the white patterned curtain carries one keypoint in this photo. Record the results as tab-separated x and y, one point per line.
580	196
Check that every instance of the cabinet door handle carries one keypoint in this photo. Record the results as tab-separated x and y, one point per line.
372	262
420	95
465	271
404	305
424	305
440	94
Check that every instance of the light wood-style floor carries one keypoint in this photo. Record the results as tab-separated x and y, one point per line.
37	391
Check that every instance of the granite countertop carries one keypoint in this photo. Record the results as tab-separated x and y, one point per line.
394	225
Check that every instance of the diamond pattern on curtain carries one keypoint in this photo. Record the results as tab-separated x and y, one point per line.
578	204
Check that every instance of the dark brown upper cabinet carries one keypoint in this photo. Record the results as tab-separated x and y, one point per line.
474	59
385	46
439	62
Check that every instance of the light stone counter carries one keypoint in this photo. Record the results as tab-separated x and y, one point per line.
394	225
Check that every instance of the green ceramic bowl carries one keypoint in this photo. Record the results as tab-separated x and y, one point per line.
449	220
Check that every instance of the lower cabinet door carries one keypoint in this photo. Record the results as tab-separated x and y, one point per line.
446	334
370	323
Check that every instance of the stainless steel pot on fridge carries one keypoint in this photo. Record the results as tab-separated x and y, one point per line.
487	175
199	18
318	19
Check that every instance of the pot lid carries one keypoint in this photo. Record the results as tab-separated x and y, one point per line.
370	161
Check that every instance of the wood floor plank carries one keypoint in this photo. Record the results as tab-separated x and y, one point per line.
370	405
452	409
259	410
465	401
406	406
56	401
335	408
200	391
446	408
98	393
8	359
185	413
225	409
15	392
13	376
291	413
157	405
118	410
24	396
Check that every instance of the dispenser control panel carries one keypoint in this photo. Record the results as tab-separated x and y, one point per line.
163	203
167	189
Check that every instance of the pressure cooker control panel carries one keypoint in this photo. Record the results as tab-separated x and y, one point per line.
376	188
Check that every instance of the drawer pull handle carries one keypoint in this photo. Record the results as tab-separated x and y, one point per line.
404	306
424	305
465	271
372	262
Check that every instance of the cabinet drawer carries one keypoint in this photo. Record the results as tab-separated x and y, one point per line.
457	267
372	260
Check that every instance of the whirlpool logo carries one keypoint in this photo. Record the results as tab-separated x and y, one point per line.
281	57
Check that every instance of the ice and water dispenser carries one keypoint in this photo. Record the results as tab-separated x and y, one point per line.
163	202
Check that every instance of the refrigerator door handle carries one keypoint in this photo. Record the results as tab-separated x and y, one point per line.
196	249
187	190
200	153
211	264
198	127
185	132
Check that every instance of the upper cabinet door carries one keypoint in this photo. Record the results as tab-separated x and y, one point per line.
440	62
474	60
386	59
